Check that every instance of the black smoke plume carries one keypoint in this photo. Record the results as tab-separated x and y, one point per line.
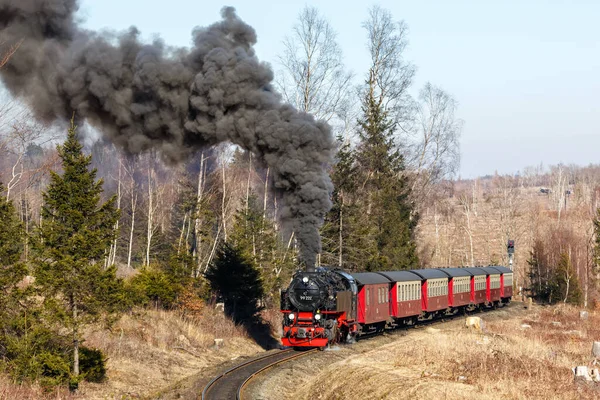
144	96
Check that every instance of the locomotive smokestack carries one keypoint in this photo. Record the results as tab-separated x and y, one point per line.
176	100
309	267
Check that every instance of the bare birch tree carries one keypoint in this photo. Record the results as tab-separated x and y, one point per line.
22	134
314	79
467	225
435	153
155	193
390	75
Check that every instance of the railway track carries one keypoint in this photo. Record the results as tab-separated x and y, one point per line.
230	384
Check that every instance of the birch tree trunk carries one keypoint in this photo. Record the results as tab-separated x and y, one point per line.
134	201
248	181
182	232
266	196
223	211
150	225
133	208
112	253
198	220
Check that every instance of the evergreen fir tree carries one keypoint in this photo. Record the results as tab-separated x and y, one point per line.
29	349
70	245
12	271
387	205
538	272
341	227
237	281
11	245
254	236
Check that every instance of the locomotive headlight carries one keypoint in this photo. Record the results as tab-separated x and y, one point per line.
305	279
291	316
317	316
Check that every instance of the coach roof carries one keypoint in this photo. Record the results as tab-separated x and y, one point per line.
477	271
500	269
429	273
400	276
453	272
370	278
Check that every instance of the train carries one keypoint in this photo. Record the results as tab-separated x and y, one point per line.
325	305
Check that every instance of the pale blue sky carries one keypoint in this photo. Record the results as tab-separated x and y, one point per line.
526	73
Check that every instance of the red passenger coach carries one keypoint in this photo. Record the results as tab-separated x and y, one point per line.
405	293
492	285
434	289
373	298
459	286
506	282
478	285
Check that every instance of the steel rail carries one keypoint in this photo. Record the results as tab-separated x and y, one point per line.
239	366
297	355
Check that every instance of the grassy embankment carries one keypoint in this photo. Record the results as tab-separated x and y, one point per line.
148	351
526	356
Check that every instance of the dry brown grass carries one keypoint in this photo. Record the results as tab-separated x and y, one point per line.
507	361
152	349
12	391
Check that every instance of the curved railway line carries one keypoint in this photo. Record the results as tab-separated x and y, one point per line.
230	384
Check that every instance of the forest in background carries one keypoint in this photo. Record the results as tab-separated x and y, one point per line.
207	229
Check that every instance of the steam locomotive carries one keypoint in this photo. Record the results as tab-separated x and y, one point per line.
325	305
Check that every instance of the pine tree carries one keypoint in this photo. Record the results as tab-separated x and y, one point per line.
11	270
539	286
70	245
254	236
342	231
29	349
11	244
237	281
388	208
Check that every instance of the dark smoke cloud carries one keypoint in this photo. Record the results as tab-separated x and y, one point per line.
173	99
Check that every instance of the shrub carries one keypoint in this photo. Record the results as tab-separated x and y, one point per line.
153	286
92	364
37	353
